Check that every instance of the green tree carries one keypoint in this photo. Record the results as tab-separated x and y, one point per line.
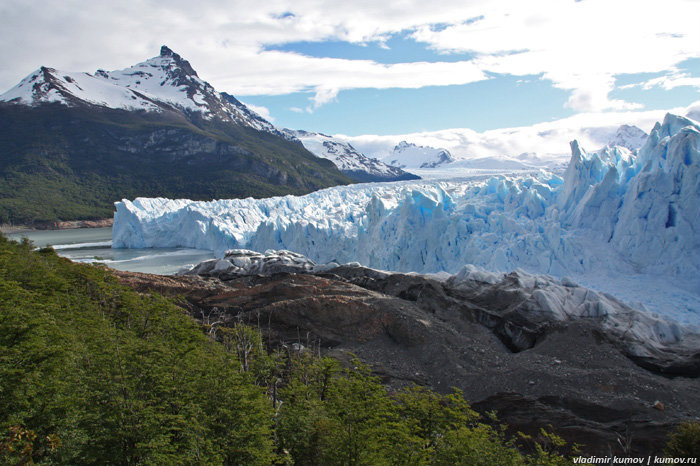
685	442
94	373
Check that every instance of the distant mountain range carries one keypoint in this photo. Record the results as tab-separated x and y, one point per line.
629	137
407	155
542	145
349	160
71	144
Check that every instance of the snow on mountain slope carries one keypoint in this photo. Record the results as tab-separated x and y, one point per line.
628	136
47	85
346	158
407	155
616	222
163	83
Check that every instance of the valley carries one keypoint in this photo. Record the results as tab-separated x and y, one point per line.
189	277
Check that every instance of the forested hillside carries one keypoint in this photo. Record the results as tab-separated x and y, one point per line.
73	163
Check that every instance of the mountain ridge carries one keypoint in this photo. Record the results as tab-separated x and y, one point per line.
166	82
409	155
349	160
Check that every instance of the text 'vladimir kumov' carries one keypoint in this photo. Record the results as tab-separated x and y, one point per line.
639	460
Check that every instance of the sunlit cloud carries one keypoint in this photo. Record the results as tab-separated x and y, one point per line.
672	82
579	46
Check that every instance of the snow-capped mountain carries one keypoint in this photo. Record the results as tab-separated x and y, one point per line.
628	136
168	83
350	161
160	84
617	221
407	155
155	129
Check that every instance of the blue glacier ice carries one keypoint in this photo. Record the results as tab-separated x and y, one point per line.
619	222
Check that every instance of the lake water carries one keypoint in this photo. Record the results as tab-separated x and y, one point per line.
94	245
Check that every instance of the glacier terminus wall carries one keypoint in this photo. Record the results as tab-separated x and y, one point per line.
616	221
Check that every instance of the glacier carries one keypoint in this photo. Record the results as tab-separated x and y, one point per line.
615	221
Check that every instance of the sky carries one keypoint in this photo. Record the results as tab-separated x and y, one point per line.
383	68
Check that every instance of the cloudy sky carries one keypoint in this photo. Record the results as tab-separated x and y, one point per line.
396	67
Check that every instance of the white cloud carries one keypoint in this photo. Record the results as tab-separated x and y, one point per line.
323	96
672	82
676	78
281	73
579	46
260	110
594	97
549	140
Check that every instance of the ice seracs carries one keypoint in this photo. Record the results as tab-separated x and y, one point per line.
659	217
618	222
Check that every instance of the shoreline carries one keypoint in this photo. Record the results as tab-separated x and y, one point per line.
57	225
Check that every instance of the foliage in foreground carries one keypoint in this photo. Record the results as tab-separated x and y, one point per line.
685	442
94	373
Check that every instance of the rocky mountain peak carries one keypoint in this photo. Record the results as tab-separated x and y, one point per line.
166	52
410	155
182	67
403	145
166	82
628	136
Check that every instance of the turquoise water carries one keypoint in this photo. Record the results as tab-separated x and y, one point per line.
94	245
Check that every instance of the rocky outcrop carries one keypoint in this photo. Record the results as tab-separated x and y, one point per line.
569	375
239	262
519	308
